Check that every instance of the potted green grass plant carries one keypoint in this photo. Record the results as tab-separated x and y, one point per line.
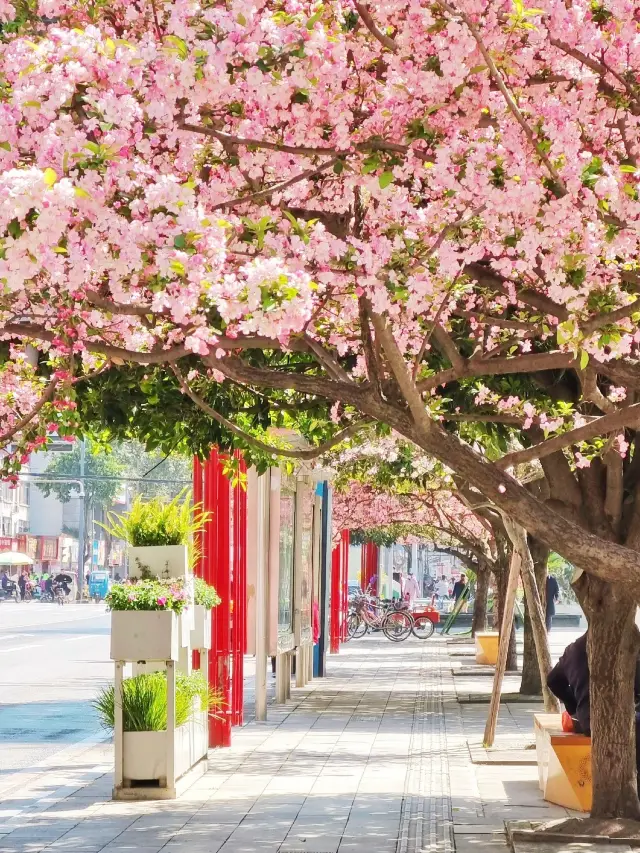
144	713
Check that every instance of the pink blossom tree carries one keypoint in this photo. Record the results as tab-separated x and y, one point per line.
423	202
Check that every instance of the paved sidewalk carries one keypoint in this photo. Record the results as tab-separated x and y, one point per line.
374	758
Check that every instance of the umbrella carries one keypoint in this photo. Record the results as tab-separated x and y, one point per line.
63	578
15	558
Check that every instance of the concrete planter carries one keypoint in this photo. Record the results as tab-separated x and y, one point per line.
144	635
201	634
145	753
487	643
163	561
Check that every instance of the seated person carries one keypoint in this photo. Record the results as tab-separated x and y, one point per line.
569	682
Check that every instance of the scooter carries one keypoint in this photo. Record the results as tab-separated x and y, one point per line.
9	592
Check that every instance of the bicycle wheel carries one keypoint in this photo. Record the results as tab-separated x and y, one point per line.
423	627
397	626
354	625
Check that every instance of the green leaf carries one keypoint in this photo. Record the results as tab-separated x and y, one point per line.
629	169
241	20
584	359
80	193
313	20
178	267
178	46
5	145
180	242
14	229
385	179
32	104
50	177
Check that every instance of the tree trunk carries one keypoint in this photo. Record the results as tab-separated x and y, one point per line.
502	581
613	650
531	679
479	620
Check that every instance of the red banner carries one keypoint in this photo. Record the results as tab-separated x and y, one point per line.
28	545
49	547
8	544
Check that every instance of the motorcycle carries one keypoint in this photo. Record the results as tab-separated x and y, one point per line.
9	592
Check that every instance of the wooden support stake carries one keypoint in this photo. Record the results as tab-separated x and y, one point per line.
503	649
518	538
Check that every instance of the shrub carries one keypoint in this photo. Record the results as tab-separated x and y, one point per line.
205	594
144	701
147	595
157	522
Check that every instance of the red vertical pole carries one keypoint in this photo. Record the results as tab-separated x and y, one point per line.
364	565
238	621
209	575
344	558
198	501
373	567
335	600
220	662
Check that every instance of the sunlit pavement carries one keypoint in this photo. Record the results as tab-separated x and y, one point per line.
377	757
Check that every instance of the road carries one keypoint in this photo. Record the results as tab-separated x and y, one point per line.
53	661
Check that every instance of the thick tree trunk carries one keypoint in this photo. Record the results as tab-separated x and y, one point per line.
613	650
531	681
479	620
502	581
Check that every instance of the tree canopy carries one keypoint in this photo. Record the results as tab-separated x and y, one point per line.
420	212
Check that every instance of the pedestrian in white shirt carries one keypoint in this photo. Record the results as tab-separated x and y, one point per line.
442	588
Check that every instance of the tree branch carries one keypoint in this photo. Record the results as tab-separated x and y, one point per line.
313	453
629	416
276	188
47	394
326	358
506	94
447	347
370	24
527	363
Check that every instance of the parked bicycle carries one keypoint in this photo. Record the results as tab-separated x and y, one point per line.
396	624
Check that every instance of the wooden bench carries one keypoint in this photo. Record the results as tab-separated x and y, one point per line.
564	764
487	643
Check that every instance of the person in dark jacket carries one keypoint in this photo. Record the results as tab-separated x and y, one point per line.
553	594
459	587
569	682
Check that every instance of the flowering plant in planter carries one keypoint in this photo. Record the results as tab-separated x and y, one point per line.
148	595
205	594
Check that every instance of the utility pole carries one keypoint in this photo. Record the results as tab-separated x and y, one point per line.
81	531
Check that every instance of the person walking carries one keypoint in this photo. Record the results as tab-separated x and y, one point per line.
553	595
22	585
411	588
442	588
459	587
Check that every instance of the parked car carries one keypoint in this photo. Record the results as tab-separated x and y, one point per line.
353	589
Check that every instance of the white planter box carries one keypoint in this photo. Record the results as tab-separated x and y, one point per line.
163	561
201	634
145	753
185	620
144	635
